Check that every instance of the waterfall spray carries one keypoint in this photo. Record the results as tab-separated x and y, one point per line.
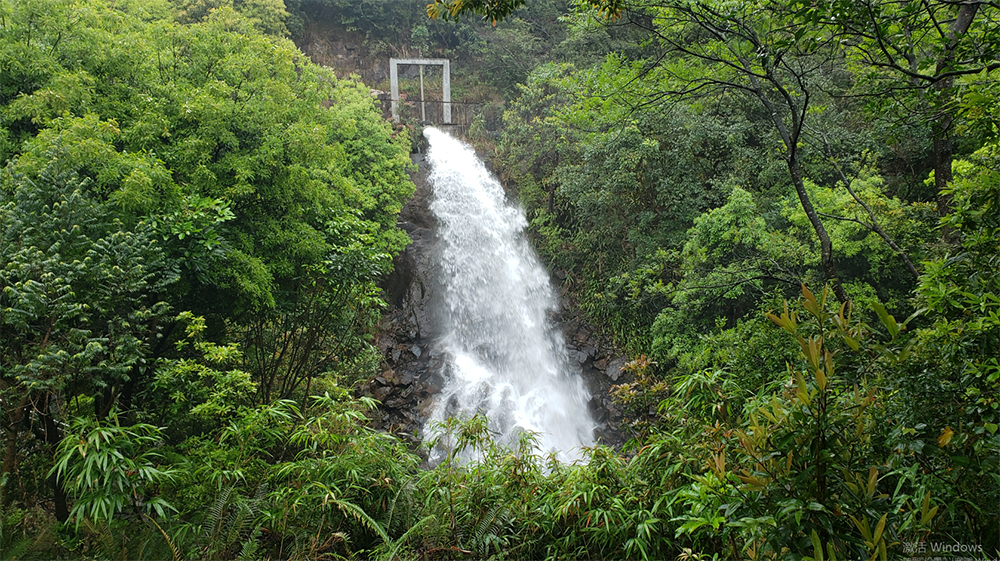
505	358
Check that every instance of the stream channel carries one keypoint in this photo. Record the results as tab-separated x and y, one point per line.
477	327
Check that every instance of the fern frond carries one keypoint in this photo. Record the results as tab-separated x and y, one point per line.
170	542
235	524
361	516
16	548
250	549
402	539
215	519
106	538
488	529
406	487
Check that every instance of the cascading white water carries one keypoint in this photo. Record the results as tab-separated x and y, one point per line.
505	359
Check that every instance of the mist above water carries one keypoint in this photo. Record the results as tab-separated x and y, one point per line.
504	357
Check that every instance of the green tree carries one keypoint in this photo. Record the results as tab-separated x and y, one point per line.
747	49
269	16
211	110
199	167
611	188
912	58
496	10
948	377
81	304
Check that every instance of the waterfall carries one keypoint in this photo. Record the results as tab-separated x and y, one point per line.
504	356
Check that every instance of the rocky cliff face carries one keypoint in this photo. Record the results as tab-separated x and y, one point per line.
328	44
412	361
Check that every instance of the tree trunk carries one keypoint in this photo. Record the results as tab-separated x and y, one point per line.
790	138
943	148
826	246
14	417
943	119
53	436
9	458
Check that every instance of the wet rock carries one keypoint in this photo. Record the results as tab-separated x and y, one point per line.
415	349
431	388
397	403
615	369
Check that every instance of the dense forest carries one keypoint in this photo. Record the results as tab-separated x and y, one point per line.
786	213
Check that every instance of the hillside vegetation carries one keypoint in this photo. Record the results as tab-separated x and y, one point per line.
785	212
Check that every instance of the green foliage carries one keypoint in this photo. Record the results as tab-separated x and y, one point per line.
19	531
153	165
110	468
616	161
804	461
320	469
192	393
186	114
80	294
947	376
610	195
268	16
864	256
907	40
326	323
814	439
516	503
734	258
728	261
494	11
149	166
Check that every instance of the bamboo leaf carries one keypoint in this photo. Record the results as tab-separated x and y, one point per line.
862	526
930	515
887	320
879	528
808	295
802	389
821	379
817	546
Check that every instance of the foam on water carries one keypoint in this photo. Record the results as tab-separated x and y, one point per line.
505	358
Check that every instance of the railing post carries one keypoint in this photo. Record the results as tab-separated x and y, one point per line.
445	85
394	88
446	93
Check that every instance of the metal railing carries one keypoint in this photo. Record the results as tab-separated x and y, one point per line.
463	113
